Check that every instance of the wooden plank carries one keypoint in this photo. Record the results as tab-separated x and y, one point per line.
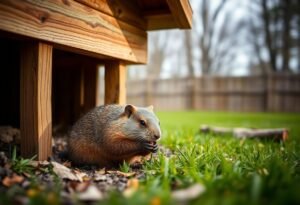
35	100
182	12
115	83
161	21
74	26
127	11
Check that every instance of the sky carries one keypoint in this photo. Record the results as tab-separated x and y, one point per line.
176	62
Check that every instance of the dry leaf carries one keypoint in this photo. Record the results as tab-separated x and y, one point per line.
99	177
65	173
81	175
14	179
128	174
79	186
155	201
189	193
132	186
91	194
67	164
101	171
32	192
38	163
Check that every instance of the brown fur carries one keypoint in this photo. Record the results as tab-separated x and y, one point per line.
111	134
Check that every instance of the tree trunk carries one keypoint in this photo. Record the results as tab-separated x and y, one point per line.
268	36
286	35
189	53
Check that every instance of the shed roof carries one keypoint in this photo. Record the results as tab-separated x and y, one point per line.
162	14
98	28
156	14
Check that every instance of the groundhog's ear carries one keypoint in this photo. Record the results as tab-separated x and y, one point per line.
129	109
150	108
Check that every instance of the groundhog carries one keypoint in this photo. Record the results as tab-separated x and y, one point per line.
111	134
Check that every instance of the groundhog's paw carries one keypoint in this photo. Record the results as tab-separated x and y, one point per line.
149	146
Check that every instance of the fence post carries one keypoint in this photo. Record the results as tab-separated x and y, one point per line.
270	93
149	92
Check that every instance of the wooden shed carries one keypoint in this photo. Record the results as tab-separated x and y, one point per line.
50	51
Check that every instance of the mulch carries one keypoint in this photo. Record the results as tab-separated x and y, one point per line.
88	183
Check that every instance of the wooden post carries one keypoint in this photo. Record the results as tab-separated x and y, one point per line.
35	99
149	92
115	83
90	85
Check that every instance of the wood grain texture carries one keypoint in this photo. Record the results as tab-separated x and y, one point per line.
127	11
35	100
73	26
182	13
115	83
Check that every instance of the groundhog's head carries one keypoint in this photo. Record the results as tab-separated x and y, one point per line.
141	124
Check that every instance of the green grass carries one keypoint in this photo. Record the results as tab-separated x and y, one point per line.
233	171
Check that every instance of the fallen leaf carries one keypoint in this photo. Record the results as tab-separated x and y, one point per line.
35	163
14	179
101	171
189	193
132	186
133	183
79	186
155	201
32	193
65	173
67	164
99	177
92	193
125	174
83	176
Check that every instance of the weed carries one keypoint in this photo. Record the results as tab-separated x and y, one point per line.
20	165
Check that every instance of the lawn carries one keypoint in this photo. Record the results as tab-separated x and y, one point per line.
230	171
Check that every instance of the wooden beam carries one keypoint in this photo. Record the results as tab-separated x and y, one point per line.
74	26
160	21
35	100
182	13
115	83
127	11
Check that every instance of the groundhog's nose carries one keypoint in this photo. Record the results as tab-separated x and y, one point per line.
157	136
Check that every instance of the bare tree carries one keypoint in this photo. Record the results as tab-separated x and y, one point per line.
189	53
159	53
217	39
277	20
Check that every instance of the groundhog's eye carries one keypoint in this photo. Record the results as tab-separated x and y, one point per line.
142	122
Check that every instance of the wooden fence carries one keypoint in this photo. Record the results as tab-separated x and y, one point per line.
275	93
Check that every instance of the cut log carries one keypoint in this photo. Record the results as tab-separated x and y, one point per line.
278	134
275	134
215	130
